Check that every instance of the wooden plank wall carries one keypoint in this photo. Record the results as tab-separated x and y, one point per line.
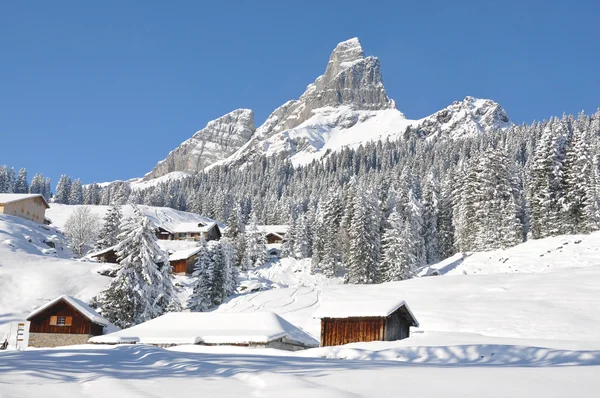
351	330
179	266
79	324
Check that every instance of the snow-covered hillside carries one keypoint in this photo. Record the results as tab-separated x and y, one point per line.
165	216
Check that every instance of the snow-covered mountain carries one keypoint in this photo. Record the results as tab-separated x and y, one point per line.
345	107
218	140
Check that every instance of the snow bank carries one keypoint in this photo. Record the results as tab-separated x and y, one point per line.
210	328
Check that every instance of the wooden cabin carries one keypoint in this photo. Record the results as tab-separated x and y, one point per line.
274	234
64	321
346	322
28	206
183	261
108	255
190	231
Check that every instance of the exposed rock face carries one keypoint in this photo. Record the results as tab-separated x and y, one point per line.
468	117
217	141
350	80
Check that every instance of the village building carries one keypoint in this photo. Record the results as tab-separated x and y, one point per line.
274	234
108	255
248	329
189	231
183	261
64	321
344	322
28	206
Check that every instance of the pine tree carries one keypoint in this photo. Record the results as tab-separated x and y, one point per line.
76	194
143	288
364	237
201	297
108	235
21	184
63	190
37	184
398	260
255	249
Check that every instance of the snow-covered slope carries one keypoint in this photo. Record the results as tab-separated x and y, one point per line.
165	216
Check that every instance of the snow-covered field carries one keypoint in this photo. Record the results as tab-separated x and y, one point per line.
522	322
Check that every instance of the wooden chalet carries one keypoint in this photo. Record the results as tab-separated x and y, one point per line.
64	321
346	322
183	261
189	231
274	234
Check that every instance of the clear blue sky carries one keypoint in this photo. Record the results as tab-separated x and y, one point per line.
103	90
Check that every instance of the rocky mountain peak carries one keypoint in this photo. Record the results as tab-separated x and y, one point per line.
215	142
350	79
467	117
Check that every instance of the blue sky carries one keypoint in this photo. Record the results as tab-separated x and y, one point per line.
103	90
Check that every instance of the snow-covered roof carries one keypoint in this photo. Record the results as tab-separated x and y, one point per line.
101	252
195	227
79	305
210	328
273	229
15	197
361	308
184	254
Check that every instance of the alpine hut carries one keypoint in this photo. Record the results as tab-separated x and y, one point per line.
344	322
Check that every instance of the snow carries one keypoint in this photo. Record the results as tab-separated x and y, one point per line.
184	254
79	305
488	327
210	328
173	176
273	229
161	216
192	227
360	308
15	197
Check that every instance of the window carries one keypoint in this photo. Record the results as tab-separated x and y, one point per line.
61	320
181	235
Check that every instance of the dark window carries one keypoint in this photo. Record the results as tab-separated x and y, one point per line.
60	321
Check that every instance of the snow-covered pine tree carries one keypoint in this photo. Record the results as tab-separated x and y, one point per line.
47	189
329	233
143	288
201	297
108	235
21	184
231	269
302	243
63	190
364	239
398	260
37	184
76	194
255	249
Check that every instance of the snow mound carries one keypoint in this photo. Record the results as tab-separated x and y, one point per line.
210	328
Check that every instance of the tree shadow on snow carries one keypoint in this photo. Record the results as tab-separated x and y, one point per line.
146	362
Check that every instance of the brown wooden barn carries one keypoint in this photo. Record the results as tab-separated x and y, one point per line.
183	261
346	322
64	321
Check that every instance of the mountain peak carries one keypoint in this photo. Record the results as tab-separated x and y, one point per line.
344	55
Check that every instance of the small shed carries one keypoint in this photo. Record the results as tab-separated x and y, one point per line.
183	261
108	255
64	321
344	322
248	329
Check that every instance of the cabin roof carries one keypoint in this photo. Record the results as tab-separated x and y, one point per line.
361	309
278	230
79	305
196	227
210	328
103	251
6	198
185	253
